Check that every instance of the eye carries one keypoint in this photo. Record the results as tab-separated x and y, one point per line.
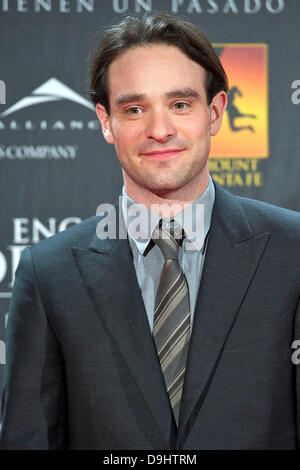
180	105
133	110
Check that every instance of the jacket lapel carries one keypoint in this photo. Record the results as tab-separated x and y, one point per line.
109	275
232	256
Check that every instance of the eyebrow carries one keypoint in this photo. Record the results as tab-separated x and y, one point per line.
128	98
183	93
125	98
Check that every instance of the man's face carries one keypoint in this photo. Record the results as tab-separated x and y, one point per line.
160	122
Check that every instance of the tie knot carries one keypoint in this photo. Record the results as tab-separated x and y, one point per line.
168	236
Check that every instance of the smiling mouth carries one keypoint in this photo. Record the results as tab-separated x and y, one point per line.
163	154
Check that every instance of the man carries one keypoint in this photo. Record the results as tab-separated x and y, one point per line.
179	338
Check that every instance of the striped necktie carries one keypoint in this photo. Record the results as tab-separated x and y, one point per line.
171	329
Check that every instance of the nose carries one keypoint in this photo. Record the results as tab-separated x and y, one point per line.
159	126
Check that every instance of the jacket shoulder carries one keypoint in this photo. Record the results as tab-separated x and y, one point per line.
56	250
259	216
268	217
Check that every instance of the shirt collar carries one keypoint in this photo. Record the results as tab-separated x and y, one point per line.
194	218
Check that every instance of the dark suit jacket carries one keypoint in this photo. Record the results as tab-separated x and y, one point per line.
82	370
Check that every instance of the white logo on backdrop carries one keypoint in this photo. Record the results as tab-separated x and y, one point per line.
52	90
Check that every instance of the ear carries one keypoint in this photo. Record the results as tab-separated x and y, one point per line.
217	108
104	119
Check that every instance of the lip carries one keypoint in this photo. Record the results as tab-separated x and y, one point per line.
163	154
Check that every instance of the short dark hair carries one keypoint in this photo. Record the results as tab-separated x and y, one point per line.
154	28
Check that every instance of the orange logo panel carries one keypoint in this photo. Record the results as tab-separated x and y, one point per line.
244	131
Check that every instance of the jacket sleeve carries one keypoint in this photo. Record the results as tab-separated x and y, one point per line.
34	391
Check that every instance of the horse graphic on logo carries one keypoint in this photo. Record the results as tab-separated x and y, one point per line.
234	112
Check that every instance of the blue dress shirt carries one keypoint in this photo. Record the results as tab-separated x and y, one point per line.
195	219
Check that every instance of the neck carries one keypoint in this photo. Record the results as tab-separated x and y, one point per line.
166	203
